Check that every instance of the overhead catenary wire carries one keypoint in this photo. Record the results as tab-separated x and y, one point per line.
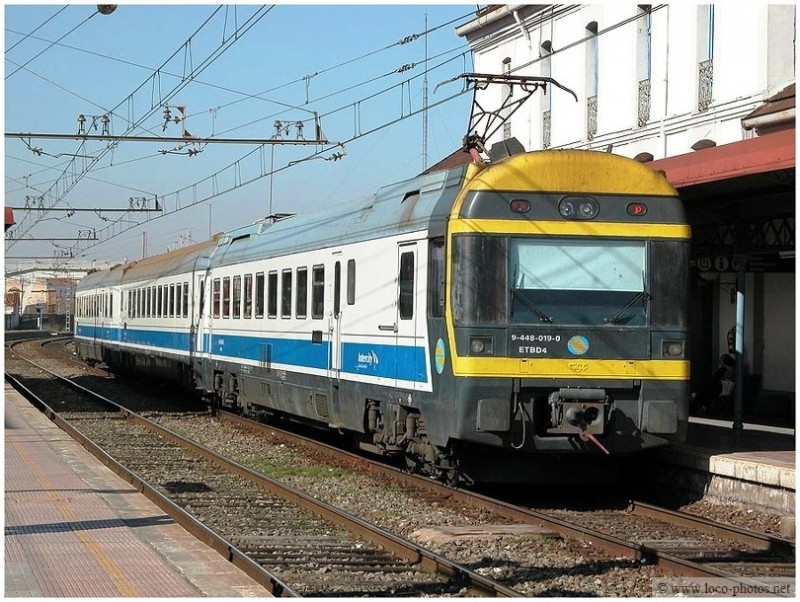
243	183
350	88
73	178
561	49
29	35
234	165
360	134
40	53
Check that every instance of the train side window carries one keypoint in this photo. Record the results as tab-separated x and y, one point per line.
337	289
260	281
237	297
286	294
160	302
318	292
171	303
272	295
436	278
185	299
110	305
216	297
351	281
248	296
130	305
301	303
138	302
226	297
406	300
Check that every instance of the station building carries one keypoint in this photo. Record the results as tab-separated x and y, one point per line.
705	93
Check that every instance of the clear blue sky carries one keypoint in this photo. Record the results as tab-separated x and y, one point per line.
343	62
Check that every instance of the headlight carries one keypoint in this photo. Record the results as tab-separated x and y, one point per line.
481	345
672	348
578	207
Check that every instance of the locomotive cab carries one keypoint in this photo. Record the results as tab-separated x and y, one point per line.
573	338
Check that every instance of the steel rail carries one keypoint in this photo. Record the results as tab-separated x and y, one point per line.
207	536
415	554
776	545
641	553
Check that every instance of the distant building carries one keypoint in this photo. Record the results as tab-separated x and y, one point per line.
704	92
32	295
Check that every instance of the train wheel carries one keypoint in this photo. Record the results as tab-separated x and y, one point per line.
412	464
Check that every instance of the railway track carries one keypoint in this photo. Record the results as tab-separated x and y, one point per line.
681	543
645	535
288	541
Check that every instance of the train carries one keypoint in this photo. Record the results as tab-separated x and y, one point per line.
518	320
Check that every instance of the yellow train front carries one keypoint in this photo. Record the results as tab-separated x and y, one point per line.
564	338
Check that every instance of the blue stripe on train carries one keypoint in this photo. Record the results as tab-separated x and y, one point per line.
366	359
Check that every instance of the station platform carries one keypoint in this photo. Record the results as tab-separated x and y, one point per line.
755	467
73	528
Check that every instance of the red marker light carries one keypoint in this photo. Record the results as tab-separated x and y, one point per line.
520	206
637	209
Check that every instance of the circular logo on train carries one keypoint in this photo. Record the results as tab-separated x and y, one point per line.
578	345
439	356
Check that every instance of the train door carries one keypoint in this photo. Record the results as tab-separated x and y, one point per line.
406	318
335	357
200	325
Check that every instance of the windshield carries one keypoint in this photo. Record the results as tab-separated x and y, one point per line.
577	282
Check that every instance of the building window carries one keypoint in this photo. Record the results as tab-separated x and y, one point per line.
545	52
591	117
592	76
705	49
507	93
644	62
546	129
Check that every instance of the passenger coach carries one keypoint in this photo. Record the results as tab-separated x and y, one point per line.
519	321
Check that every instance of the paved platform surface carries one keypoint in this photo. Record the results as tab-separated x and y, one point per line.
75	529
753	468
759	454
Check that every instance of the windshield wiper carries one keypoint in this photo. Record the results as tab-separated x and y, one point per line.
543	317
617	317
